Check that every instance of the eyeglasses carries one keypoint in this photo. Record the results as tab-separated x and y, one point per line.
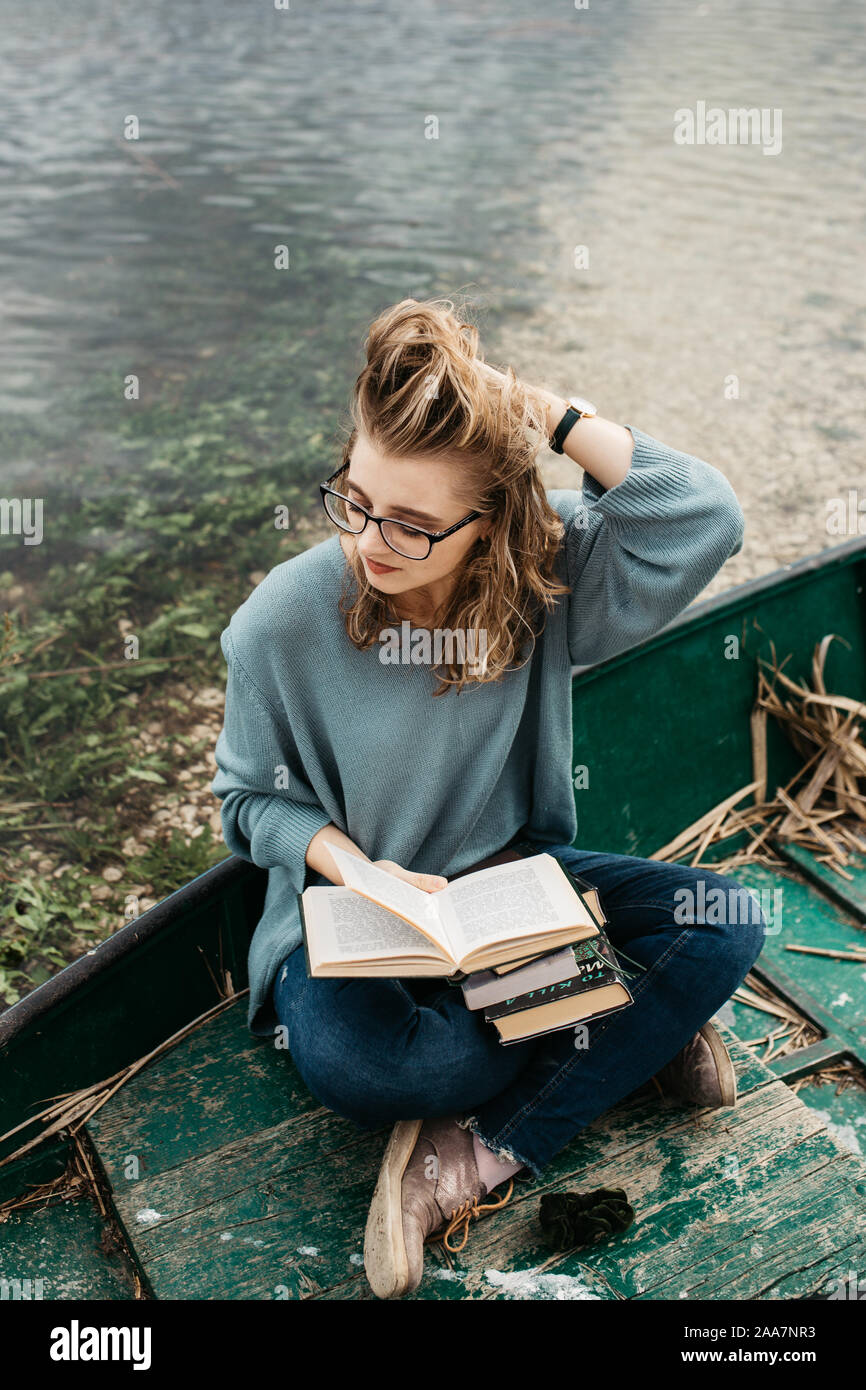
412	542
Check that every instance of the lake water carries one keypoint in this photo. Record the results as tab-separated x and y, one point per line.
306	127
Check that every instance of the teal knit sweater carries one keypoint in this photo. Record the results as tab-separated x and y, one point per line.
316	731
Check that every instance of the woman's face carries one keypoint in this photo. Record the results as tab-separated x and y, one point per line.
409	490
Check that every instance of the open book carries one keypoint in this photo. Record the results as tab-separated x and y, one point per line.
380	925
589	897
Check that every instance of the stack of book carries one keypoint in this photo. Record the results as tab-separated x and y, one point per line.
525	940
557	990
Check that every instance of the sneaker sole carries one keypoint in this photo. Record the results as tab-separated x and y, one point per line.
724	1065
385	1259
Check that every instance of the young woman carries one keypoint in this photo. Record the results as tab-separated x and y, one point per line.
442	522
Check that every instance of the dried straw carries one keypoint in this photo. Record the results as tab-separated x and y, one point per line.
793	1032
822	808
77	1107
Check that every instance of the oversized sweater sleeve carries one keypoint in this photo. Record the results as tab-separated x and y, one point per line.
269	811
640	552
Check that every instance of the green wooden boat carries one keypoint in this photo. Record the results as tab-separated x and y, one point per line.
216	1175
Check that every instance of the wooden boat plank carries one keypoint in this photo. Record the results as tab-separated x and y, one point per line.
833	991
851	894
284	1209
844	1114
707	1193
279	1212
219	1083
63	1247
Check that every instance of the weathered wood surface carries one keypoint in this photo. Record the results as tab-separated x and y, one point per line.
803	914
850	892
247	1189
61	1252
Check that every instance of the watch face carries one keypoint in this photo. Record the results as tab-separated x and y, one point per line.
585	407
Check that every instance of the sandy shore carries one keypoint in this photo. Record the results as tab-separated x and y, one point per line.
633	339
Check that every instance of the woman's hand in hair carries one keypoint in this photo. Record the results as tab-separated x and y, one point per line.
428	883
490	374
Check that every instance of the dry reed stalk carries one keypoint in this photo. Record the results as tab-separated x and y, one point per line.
836	955
675	848
843	1073
767	1006
793	1032
81	1105
823	802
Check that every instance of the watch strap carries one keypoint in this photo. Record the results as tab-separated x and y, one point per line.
568	421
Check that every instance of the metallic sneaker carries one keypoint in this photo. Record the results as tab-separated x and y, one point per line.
428	1180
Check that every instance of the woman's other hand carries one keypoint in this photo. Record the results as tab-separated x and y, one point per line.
428	883
491	375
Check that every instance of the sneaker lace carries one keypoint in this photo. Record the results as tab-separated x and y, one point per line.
462	1216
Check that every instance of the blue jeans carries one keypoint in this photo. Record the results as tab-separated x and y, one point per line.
381	1050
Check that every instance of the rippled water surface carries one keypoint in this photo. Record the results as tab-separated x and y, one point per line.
306	127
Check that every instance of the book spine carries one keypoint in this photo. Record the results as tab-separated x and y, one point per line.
534	998
582	887
561	1027
487	987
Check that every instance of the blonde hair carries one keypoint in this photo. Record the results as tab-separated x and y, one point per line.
421	395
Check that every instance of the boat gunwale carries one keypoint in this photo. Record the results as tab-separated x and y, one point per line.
796	572
25	1012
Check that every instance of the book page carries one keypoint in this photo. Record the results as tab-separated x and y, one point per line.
516	900
344	926
395	894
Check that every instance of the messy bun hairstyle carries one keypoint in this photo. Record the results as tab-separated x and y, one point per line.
421	395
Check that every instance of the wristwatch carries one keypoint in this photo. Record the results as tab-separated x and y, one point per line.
577	408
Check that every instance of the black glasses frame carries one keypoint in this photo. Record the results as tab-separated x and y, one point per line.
433	537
